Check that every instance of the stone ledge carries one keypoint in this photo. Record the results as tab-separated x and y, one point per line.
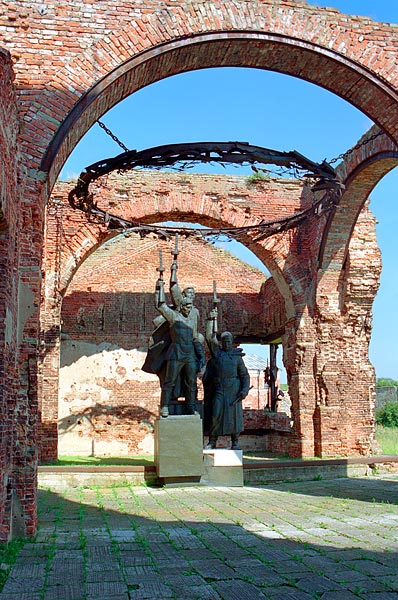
263	472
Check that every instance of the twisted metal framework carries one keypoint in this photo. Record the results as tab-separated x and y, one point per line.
182	156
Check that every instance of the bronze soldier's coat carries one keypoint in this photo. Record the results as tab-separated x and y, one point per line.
226	382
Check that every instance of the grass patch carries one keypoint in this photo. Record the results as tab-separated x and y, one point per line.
132	461
256	178
8	556
387	437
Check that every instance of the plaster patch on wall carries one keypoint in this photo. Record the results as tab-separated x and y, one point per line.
25	307
97	413
8	327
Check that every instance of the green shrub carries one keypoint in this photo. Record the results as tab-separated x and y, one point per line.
386	382
256	177
388	415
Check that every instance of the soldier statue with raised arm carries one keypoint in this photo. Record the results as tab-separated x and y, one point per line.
176	352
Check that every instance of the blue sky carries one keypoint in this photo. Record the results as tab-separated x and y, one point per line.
271	110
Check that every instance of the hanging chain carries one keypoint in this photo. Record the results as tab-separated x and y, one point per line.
356	147
112	135
332	161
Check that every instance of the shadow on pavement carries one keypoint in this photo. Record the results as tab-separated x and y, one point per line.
383	490
293	541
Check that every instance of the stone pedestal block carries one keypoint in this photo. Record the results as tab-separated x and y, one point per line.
223	468
178	449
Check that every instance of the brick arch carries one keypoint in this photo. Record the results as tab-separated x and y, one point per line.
360	173
319	45
276	253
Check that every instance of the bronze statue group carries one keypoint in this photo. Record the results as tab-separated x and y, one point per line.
176	354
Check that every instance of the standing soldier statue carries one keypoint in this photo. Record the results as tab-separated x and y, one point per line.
176	353
226	383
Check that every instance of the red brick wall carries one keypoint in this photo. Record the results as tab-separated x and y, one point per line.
124	317
108	313
59	56
62	55
17	375
110	297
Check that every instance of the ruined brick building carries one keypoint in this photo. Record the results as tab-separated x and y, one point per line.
62	68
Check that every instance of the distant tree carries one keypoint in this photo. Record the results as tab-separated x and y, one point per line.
386	382
388	415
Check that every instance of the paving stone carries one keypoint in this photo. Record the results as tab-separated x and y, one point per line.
380	596
27	571
291	566
260	575
200	592
103	575
198	554
238	590
99	552
165	551
64	592
339	595
179	564
286	593
391	582
68	554
214	569
271	554
18	596
35	550
151	590
345	555
343	576
119	596
188	542
123	546
97	565
178	580
317	584
369	585
105	588
67	565
134	578
140	570
21	586
321	564
129	559
370	567
60	579
247	561
123	534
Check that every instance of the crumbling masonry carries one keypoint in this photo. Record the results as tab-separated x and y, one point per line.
62	68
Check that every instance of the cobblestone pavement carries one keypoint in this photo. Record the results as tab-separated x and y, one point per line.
329	540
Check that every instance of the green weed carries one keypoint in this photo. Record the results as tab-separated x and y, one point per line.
8	556
387	437
256	178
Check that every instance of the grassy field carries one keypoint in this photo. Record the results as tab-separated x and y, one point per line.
101	461
388	439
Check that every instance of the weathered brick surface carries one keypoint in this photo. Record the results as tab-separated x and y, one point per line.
110	301
59	54
79	45
110	298
18	403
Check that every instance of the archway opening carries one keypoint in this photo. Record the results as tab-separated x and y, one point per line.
238	110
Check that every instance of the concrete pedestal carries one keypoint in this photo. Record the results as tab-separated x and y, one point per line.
223	468
178	449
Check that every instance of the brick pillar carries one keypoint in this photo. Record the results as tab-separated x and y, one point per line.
345	378
345	381
299	350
